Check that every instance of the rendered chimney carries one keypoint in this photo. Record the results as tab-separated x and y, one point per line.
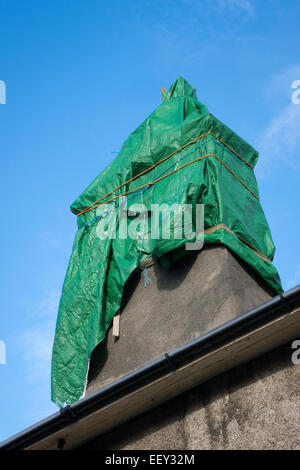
201	292
181	156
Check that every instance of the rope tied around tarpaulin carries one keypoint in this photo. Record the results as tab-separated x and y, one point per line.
140	190
147	280
170	173
90	207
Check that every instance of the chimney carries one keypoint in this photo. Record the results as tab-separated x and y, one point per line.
200	292
128	300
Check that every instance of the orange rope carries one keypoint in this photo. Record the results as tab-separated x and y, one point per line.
170	173
158	163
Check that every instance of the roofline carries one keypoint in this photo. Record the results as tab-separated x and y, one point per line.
188	352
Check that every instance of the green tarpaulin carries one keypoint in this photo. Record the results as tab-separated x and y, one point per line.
223	180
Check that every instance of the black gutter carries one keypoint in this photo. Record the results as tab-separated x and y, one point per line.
195	349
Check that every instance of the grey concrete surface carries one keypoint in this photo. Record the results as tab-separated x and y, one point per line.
201	292
254	406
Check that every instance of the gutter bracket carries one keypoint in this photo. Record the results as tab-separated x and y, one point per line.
67	413
171	363
286	303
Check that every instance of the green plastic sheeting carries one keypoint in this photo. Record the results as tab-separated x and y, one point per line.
99	266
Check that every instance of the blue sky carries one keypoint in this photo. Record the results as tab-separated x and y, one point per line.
81	75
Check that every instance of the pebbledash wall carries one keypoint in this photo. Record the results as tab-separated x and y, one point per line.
254	406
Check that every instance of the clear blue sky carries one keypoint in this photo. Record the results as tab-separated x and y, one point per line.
81	75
